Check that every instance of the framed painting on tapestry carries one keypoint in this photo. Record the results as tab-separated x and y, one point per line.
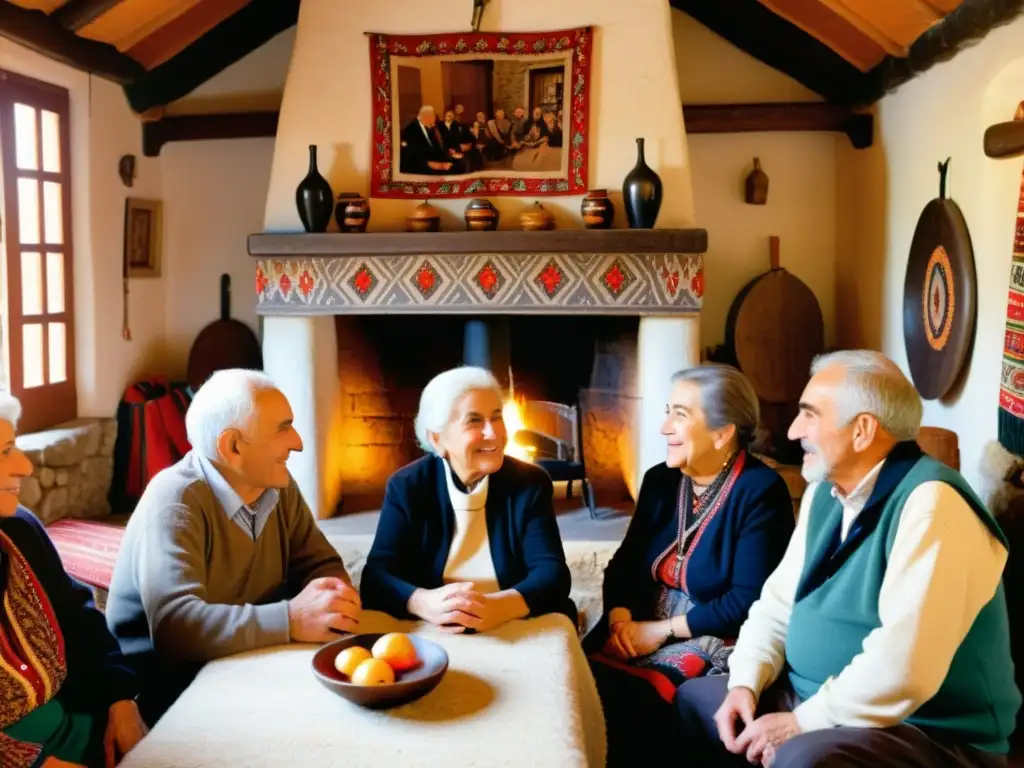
464	114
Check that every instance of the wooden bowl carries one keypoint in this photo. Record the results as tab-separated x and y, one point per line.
408	686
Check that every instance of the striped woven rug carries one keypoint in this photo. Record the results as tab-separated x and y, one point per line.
88	549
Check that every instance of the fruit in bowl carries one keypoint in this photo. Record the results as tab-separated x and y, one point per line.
379	671
397	650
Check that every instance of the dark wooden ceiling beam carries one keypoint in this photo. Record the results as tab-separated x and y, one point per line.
75	14
238	35
35	30
789	116
699	118
233	125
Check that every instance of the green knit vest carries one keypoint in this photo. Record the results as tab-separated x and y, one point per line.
978	702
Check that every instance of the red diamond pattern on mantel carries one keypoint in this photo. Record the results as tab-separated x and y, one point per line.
484	283
426	280
489	279
551	279
363	281
617	278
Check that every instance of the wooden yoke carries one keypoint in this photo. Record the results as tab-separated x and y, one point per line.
1006	139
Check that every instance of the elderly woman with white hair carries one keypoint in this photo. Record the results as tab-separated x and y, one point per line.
467	538
67	694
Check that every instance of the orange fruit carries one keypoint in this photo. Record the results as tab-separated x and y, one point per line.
397	650
350	658
373	672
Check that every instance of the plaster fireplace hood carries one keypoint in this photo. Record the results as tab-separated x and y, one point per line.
311	288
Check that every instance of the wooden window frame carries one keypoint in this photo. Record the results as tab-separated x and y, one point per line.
50	403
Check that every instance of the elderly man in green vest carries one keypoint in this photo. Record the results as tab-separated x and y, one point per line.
882	637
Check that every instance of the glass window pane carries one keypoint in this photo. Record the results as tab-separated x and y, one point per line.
31	284
51	141
53	212
54	282
32	355
58	352
28	211
25	149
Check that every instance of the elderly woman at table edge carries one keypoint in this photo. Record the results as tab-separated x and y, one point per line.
710	525
467	538
221	554
68	696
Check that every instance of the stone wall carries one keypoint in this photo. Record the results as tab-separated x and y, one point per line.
73	466
510	85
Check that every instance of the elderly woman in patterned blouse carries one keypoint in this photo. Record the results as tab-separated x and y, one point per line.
66	697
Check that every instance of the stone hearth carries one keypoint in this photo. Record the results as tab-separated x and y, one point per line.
304	281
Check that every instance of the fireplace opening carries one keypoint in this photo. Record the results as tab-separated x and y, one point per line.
569	383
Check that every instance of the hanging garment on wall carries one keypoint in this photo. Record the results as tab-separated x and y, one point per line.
150	437
1011	384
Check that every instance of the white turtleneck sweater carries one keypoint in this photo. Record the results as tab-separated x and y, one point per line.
469	558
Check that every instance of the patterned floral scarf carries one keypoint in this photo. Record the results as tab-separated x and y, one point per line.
32	659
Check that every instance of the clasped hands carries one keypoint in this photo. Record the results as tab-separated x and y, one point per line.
760	737
325	604
457	607
630	639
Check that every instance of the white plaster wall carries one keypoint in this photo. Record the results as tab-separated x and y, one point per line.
941	114
102	130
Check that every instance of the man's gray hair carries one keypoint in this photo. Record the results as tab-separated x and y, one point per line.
226	401
10	408
437	402
875	385
726	397
425	109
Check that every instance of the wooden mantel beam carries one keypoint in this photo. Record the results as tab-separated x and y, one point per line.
75	14
35	30
699	118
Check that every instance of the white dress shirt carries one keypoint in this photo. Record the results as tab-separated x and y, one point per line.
469	558
944	567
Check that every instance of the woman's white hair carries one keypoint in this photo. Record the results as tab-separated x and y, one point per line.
874	384
437	402
10	408
227	400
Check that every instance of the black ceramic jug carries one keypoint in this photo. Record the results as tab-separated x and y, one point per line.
641	192
314	198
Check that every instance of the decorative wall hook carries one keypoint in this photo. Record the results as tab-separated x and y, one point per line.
478	12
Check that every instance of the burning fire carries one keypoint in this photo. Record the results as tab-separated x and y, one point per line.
512	414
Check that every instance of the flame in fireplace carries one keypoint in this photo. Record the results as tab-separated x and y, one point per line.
512	414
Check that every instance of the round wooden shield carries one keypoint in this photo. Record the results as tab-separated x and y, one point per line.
940	300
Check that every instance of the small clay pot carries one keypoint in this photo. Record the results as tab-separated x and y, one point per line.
352	212
536	218
481	216
424	218
756	185
597	209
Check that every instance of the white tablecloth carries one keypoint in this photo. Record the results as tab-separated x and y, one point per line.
521	695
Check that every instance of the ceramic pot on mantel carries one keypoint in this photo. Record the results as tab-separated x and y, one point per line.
642	191
314	198
424	218
352	212
536	219
597	209
481	215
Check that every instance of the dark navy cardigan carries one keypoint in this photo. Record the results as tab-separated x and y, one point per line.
740	548
417	523
97	673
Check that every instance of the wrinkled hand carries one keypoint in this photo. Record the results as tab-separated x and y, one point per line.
324	603
438	166
765	735
125	729
739	704
630	639
455	607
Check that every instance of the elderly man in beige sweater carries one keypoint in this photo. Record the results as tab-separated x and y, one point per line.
222	555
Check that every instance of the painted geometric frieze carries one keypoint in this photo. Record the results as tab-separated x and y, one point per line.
544	283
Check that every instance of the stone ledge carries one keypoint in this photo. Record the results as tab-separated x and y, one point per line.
73	467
